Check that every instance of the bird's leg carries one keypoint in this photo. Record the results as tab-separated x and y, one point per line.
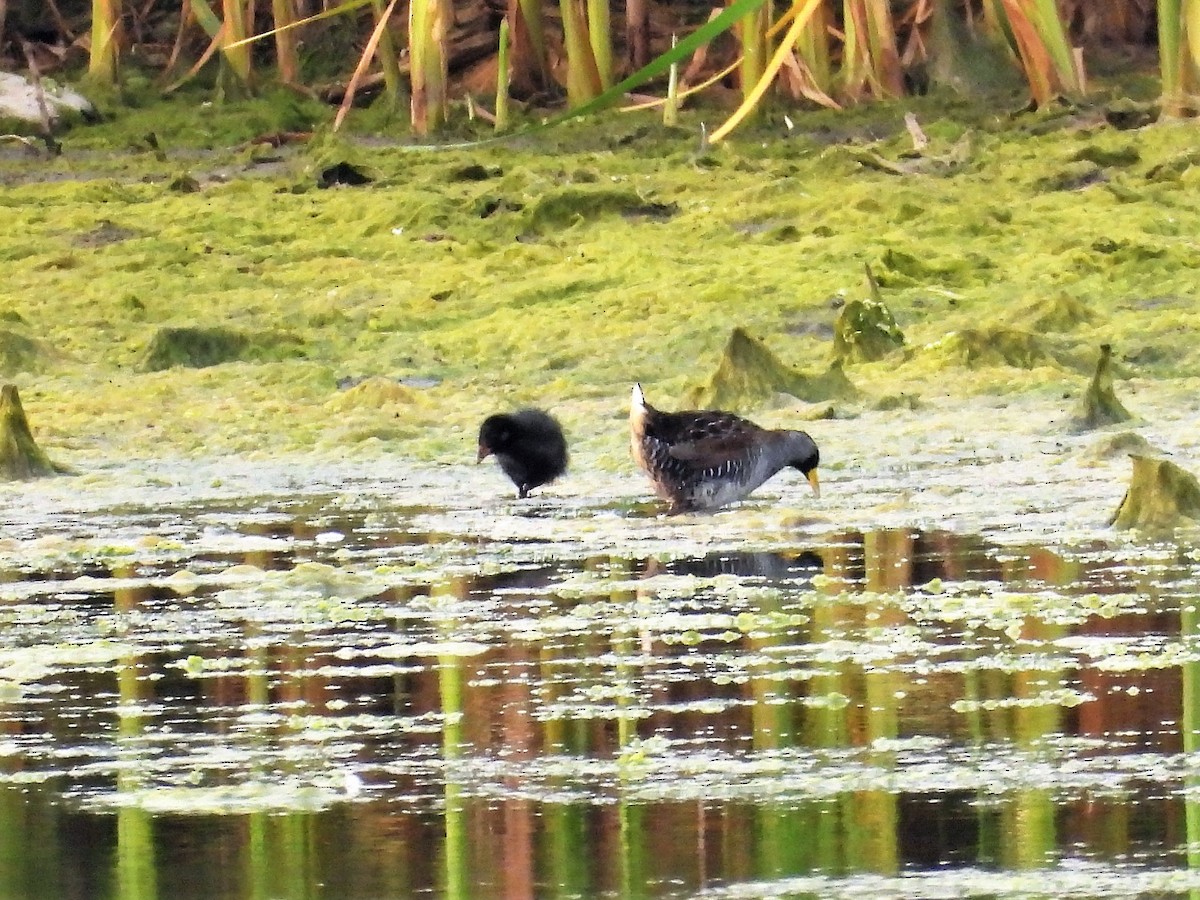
522	491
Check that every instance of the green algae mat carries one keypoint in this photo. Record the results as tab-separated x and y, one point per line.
208	296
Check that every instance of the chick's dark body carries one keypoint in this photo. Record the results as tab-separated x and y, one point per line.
528	444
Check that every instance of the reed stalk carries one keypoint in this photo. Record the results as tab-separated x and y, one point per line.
1050	65
813	49
600	38
1179	55
854	72
237	57
1033	53
800	14
671	107
104	59
364	60
1191	18
1048	23
637	34
385	52
428	23
287	60
887	75
1170	46
529	40
583	78
502	78
993	16
752	35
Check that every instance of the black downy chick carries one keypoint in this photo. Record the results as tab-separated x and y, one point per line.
528	444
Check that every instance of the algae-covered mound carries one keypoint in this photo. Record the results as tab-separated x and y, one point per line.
1100	405
992	346
19	353
20	456
897	268
1125	114
866	330
375	392
749	373
1161	495
331	160
564	207
1123	443
1061	312
197	347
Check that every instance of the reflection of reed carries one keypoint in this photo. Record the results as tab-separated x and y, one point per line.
455	862
1189	627
802	674
135	871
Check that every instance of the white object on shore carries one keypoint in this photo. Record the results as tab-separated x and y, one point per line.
19	99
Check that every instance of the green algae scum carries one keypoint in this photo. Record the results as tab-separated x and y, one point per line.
270	632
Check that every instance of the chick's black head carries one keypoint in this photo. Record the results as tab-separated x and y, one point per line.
496	435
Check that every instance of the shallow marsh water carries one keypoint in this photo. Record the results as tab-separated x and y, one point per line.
302	677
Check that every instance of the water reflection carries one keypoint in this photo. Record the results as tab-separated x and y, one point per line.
349	706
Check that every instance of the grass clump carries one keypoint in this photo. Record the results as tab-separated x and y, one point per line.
563	208
198	347
1062	312
375	393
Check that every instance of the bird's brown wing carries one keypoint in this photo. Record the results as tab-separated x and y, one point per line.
708	439
708	453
